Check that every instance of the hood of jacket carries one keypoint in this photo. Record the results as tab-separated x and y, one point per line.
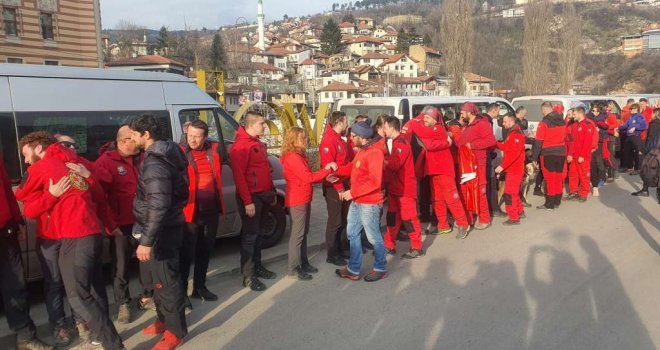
330	132
60	152
169	152
554	119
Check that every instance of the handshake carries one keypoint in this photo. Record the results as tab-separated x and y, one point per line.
331	166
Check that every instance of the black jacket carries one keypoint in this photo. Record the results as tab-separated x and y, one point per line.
161	195
652	136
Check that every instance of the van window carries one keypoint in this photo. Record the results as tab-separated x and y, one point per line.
371	111
214	117
91	130
533	108
450	110
9	146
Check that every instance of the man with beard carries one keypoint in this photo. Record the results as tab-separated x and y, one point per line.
579	144
512	168
162	193
550	151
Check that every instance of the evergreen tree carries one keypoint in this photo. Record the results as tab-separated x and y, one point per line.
163	41
218	57
348	18
402	41
331	38
427	40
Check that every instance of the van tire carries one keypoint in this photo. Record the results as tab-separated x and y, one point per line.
273	225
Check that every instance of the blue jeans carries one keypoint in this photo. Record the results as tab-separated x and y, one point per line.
365	216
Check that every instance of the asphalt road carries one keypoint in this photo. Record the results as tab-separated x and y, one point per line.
585	276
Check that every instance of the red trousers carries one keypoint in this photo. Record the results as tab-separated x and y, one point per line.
579	178
553	173
445	195
402	209
512	202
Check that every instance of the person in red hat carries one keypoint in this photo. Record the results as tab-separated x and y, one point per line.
550	151
512	168
478	136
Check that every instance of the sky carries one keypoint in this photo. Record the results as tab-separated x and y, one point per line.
202	13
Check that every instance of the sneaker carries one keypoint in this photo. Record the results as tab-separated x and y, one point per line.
511	222
299	274
32	344
157	328
124	314
335	260
169	341
413	254
594	192
261	272
444	231
374	276
204	294
641	193
462	232
62	336
147	304
390	251
481	226
571	197
83	332
254	284
538	192
344	273
522	215
308	268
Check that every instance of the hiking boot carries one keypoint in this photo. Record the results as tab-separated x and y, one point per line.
147	304
538	192
462	232
344	273
335	260
308	268
300	274
374	276
186	303
413	254
390	251
522	215
157	328
571	197
204	294
581	199
254	284
594	192
481	226
641	193
83	332
124	314
444	231
262	272
169	341
62	336
546	207
511	222
32	344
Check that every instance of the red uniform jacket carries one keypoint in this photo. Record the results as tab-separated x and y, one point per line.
401	170
366	172
72	215
513	150
250	167
581	138
625	114
299	178
479	134
648	114
213	156
436	151
334	149
612	123
550	136
119	180
9	211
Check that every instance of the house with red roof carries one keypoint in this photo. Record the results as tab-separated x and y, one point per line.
400	65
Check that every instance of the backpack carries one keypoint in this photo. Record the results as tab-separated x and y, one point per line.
650	168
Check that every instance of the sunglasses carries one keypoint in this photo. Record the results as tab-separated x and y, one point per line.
68	144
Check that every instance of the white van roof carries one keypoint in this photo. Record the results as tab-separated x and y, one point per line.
420	99
562	97
37	71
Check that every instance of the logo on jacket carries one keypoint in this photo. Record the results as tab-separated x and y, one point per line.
326	150
78	182
121	170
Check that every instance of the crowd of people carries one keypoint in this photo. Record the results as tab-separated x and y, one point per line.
160	201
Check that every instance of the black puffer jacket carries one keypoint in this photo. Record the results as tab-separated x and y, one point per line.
161	195
653	136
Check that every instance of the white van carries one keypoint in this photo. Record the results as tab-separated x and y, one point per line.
622	99
91	104
407	107
533	105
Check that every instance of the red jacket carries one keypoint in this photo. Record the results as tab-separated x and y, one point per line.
479	134
550	136
72	215
9	211
581	138
612	123
213	156
366	172
399	165
334	149
513	150
648	114
625	114
436	151
250	166
299	178
120	184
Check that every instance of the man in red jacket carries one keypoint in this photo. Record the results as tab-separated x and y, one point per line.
119	165
550	151
579	147
478	136
12	283
73	216
408	131
333	149
647	112
402	192
254	193
204	206
512	168
366	173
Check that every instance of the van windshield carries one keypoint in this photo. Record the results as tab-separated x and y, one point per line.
372	111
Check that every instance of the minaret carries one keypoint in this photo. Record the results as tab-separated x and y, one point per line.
260	21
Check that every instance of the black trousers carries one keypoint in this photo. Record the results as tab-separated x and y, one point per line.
598	171
198	242
121	250
48	252
633	148
424	198
612	167
165	270
335	228
251	231
12	287
80	265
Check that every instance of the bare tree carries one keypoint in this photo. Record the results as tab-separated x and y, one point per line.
457	35
570	50
129	35
536	39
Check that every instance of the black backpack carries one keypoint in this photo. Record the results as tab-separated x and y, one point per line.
650	168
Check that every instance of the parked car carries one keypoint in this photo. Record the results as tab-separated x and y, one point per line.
91	104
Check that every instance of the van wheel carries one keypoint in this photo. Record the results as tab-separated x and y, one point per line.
273	225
